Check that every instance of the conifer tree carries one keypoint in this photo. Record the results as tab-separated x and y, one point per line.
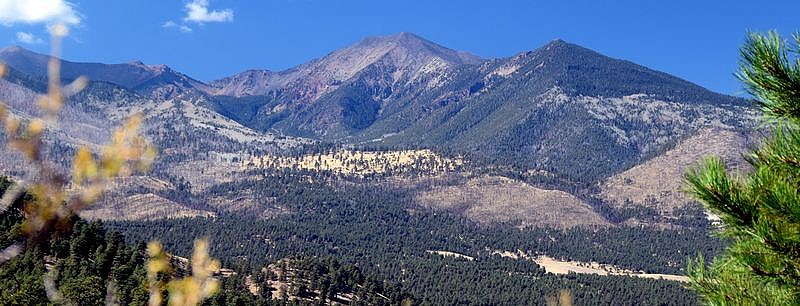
759	210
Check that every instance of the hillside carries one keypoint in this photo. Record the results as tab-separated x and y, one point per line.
490	200
342	92
541	109
410	163
658	183
406	56
92	265
564	110
159	80
362	163
329	283
141	198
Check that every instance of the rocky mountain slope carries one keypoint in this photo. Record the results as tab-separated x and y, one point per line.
575	116
159	80
340	93
490	200
408	56
544	109
181	126
658	184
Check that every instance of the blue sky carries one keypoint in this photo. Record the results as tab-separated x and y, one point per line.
208	39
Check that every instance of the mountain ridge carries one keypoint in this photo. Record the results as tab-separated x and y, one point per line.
533	108
133	75
10	54
405	50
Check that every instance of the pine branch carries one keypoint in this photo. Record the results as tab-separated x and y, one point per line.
771	75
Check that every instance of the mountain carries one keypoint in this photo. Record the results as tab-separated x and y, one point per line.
426	167
561	109
341	92
180	124
407	55
159	79
248	83
544	108
490	200
658	184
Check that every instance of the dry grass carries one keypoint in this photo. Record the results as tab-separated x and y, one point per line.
492	199
451	254
133	198
360	162
246	202
288	280
137	181
204	173
555	266
140	207
658	183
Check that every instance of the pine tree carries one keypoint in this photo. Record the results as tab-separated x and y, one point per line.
760	211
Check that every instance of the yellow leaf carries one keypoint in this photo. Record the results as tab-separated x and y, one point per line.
154	248
12	125
78	84
84	166
36	127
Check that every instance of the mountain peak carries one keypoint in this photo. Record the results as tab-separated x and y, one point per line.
580	71
407	36
395	36
405	39
258	71
560	45
13	48
19	51
407	53
246	83
130	75
404	34
413	44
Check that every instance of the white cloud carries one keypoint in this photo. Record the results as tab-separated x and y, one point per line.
38	11
28	38
181	27
197	11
